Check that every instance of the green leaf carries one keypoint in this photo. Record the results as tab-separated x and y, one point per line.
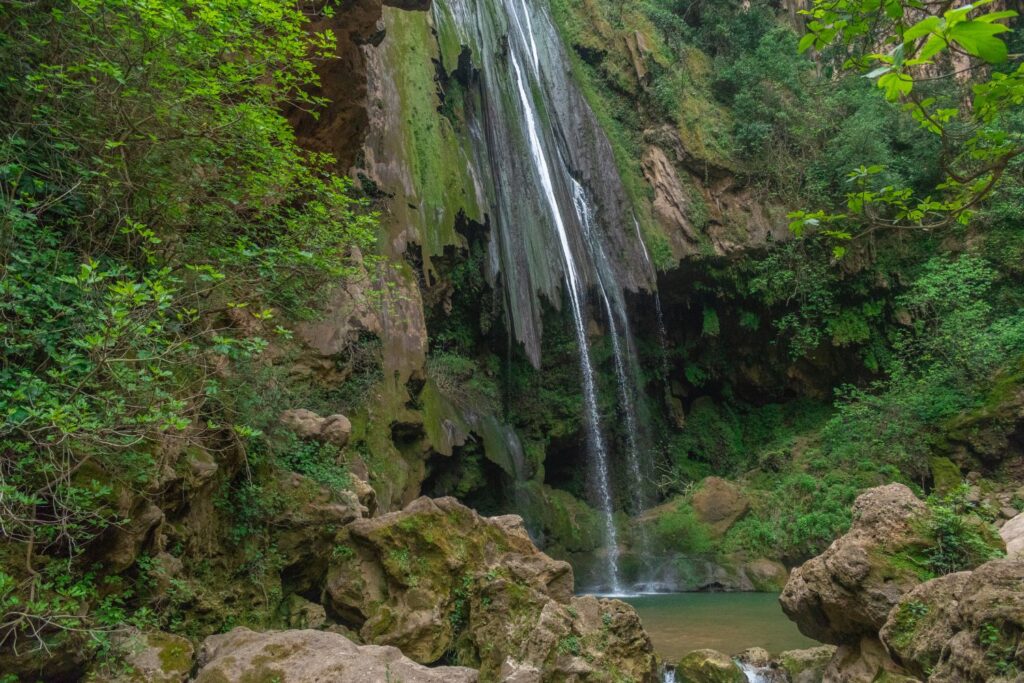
922	28
978	38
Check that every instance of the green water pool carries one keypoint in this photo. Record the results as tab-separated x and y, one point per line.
730	622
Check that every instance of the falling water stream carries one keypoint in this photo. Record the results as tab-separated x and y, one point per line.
547	160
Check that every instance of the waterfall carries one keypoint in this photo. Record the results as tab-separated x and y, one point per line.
557	207
593	425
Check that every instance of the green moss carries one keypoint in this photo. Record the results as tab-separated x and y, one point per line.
906	621
435	155
945	474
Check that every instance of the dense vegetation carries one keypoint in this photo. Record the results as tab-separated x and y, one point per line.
162	233
155	210
902	294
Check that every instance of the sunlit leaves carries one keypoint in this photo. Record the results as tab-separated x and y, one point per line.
902	45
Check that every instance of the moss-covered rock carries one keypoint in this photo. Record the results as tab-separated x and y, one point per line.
946	474
964	627
807	665
150	657
438	579
709	666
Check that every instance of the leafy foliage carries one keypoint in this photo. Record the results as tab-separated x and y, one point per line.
911	50
155	215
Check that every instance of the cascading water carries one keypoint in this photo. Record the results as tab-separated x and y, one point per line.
547	160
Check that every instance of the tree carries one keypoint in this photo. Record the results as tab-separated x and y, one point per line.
949	67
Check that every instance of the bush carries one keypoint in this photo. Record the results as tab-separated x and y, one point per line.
959	540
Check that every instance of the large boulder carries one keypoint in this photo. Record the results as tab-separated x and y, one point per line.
846	593
437	578
964	627
719	504
1012	534
304	656
709	666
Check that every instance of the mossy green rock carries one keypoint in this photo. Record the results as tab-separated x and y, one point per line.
709	666
151	657
962	627
807	665
436	579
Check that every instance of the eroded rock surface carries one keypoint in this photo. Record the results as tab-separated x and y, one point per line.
305	656
847	592
437	578
964	627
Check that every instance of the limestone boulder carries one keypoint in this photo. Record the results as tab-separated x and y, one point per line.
437	578
807	665
719	504
865	661
333	429
963	627
846	593
709	666
305	656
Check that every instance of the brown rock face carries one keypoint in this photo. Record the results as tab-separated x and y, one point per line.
438	578
719	504
340	126
312	657
846	593
964	627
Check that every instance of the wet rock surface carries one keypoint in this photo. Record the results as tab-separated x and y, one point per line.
708	666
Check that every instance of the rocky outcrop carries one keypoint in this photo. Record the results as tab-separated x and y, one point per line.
438	578
719	504
708	666
846	593
304	656
965	627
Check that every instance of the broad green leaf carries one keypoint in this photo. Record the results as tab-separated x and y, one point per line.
922	28
978	38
